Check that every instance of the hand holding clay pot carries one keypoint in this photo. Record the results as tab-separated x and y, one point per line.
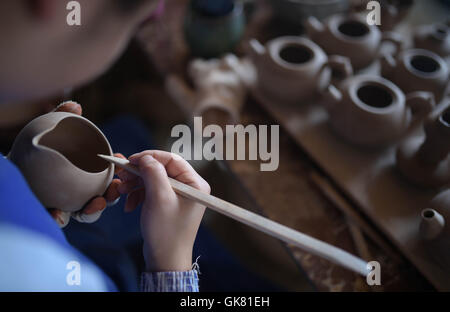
371	111
350	36
57	154
416	70
426	162
293	69
434	37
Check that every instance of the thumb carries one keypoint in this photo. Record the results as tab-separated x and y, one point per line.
154	175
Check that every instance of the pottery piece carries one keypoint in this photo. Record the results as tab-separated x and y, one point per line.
295	11
393	12
426	162
434	37
212	30
350	36
220	88
292	69
434	227
371	111
416	70
57	154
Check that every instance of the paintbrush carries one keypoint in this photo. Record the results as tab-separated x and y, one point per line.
288	235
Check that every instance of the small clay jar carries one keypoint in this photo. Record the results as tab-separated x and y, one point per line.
434	229
211	32
426	162
371	111
434	37
416	70
293	69
350	36
57	154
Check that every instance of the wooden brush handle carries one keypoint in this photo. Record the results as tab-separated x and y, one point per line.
290	236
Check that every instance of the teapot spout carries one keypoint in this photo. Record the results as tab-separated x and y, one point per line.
255	50
432	224
313	26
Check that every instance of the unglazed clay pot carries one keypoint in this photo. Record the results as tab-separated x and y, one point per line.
426	162
371	111
350	36
434	37
435	226
416	70
57	154
292	69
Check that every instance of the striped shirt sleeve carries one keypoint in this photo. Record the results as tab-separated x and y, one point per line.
170	281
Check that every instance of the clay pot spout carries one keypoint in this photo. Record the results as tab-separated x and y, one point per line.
432	224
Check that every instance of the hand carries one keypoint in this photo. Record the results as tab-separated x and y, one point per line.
169	223
92	210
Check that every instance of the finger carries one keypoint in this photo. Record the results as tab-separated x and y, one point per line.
177	168
134	199
61	217
116	168
154	176
130	185
69	107
112	193
125	176
95	205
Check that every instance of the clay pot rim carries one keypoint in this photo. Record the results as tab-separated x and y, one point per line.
409	54
436	31
337	20
278	44
398	96
37	138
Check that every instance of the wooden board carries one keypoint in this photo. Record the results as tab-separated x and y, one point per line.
368	177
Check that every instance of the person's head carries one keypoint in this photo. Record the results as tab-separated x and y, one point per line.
40	54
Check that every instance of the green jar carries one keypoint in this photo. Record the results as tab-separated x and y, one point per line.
211	36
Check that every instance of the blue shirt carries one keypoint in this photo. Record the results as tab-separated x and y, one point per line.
35	255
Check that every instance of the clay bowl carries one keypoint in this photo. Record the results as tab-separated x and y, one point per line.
57	154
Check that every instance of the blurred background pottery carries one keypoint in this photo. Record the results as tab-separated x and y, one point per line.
416	70
350	36
57	154
295	11
292	69
435	226
213	28
434	37
371	111
426	162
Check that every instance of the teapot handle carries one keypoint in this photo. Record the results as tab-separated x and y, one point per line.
341	64
421	105
313	26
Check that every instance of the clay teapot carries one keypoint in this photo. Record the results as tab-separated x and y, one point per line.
57	154
426	162
434	37
371	111
416	70
434	227
292	69
350	36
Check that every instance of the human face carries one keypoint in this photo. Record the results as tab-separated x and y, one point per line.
40	54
